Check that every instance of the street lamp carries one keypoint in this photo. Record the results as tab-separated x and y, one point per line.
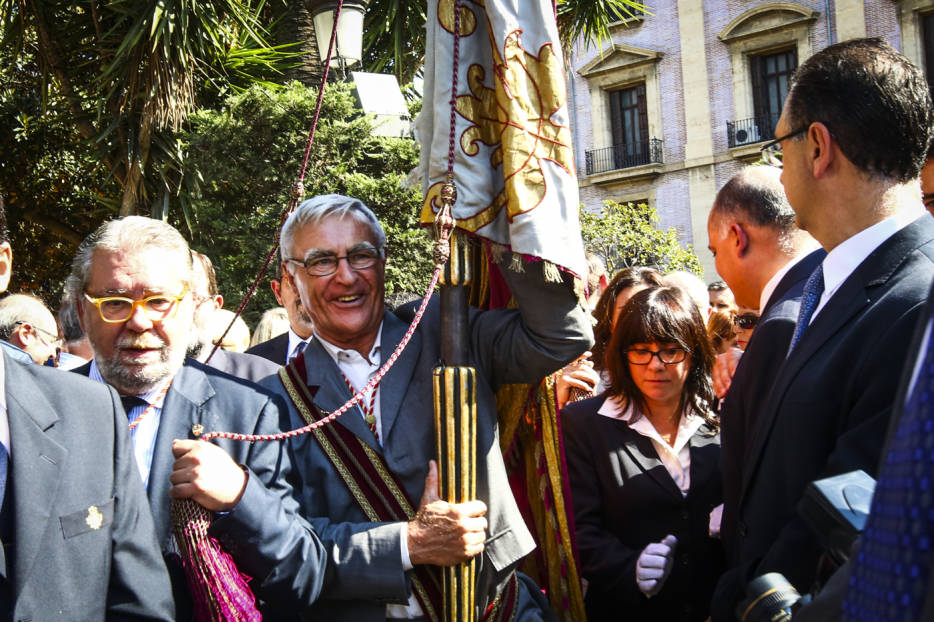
348	48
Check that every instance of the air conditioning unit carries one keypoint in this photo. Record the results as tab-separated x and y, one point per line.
747	135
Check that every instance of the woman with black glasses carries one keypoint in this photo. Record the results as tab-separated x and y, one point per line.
643	463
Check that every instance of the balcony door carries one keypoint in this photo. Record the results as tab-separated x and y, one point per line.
771	76
630	127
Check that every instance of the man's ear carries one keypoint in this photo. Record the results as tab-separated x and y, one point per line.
821	149
740	239
276	286
22	336
6	265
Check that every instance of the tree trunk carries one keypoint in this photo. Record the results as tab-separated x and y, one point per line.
297	26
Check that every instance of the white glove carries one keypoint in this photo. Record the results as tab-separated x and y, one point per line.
654	565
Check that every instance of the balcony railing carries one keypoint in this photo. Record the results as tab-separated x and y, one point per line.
624	156
750	131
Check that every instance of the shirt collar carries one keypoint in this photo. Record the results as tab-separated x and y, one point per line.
335	351
614	408
769	288
849	254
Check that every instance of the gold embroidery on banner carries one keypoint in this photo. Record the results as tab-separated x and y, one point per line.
446	18
94	518
516	117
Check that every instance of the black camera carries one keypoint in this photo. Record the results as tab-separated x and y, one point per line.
835	509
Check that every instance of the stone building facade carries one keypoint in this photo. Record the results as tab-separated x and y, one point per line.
684	97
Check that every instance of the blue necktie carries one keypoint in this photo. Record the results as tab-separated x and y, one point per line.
299	348
893	566
810	298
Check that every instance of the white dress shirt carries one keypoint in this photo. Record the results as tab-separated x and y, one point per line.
677	458
843	260
359	370
144	434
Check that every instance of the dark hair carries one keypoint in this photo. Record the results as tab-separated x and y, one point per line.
4	233
663	315
720	328
873	100
603	312
717	286
756	193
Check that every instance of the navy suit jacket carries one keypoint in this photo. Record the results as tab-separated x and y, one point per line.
831	402
265	521
275	350
242	364
84	547
754	376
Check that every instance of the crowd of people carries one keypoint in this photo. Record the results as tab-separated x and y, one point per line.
693	417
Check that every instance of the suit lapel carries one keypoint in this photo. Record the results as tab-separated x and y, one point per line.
182	409
394	384
642	452
37	459
324	379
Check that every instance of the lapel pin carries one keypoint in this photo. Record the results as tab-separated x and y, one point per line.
94	518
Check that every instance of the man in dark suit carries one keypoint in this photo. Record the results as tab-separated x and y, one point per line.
765	259
334	249
854	133
78	539
208	301
283	348
132	281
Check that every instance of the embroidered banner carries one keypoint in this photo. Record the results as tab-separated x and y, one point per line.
514	167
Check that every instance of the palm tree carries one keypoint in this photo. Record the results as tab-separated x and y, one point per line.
132	70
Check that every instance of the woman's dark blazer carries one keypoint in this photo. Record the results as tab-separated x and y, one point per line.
624	499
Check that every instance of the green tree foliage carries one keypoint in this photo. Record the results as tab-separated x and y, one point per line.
626	235
244	156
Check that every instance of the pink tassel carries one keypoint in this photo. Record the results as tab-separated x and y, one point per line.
220	591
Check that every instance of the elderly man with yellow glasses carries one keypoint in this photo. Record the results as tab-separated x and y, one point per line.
132	283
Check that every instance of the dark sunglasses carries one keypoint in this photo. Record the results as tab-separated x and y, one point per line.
746	321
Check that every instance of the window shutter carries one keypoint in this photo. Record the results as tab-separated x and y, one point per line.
643	145
616	118
759	97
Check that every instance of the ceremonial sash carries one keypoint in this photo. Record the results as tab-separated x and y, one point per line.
379	494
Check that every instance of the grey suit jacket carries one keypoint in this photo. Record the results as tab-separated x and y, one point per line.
84	545
365	569
829	408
